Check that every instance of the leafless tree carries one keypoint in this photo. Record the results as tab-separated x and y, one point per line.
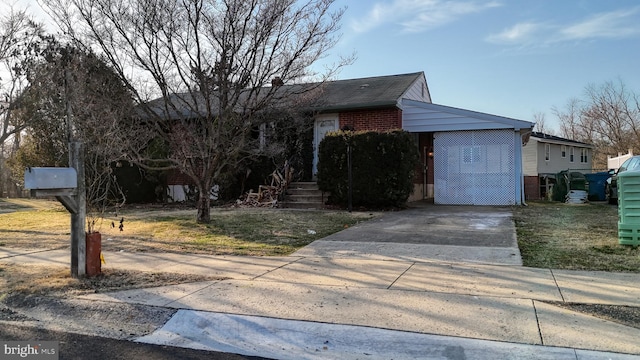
541	124
569	118
210	62
18	36
608	117
73	95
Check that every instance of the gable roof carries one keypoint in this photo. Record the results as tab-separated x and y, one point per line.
427	117
546	138
369	92
336	95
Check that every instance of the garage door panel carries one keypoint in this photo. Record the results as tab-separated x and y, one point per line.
474	167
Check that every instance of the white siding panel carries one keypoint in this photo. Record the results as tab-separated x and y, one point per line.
556	162
423	120
530	158
418	91
427	117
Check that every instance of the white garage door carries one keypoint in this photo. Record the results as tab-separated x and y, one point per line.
474	167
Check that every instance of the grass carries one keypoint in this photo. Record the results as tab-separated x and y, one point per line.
550	235
57	280
576	237
268	232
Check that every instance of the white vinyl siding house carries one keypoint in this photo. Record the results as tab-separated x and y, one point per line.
543	155
546	155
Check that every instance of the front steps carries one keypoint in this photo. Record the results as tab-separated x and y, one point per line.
303	195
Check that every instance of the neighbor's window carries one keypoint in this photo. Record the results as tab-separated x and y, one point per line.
563	151
571	154
583	155
547	152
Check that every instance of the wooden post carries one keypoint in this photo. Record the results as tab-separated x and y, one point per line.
78	243
349	176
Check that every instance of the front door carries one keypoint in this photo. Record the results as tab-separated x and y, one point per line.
322	126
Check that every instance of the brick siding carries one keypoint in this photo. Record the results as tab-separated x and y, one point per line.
377	120
531	188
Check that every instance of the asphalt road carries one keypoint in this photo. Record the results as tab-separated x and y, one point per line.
75	346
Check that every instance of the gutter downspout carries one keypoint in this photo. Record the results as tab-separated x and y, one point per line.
524	139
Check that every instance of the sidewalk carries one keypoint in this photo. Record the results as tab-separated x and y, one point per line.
411	307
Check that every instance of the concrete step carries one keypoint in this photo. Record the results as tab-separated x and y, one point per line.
307	192
305	198
303	185
304	195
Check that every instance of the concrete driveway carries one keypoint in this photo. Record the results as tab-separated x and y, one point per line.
478	234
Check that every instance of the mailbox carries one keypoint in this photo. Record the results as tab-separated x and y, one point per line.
50	178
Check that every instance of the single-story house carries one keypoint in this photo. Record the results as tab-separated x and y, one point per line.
467	157
546	155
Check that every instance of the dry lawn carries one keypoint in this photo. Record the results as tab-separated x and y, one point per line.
57	280
42	224
579	237
45	225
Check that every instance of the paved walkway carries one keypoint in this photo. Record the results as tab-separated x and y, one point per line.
402	304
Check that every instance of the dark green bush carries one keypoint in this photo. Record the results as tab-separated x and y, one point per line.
383	167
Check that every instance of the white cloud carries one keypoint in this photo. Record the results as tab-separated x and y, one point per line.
519	33
614	24
418	15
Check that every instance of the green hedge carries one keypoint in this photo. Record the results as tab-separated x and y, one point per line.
383	167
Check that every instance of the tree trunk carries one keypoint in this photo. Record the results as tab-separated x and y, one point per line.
204	207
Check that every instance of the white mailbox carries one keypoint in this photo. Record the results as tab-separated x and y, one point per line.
50	178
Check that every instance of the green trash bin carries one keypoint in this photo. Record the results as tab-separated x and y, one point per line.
577	181
629	208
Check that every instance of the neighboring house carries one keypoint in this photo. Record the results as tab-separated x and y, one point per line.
467	157
546	155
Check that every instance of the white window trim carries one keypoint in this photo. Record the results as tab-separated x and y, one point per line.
572	154
584	153
563	151
547	152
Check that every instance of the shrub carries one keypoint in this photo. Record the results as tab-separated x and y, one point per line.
383	167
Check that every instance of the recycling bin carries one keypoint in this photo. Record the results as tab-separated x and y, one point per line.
629	208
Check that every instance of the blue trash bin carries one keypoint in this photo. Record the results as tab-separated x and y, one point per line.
597	183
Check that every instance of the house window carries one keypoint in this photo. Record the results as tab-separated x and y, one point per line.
571	154
547	152
471	154
583	155
563	151
266	132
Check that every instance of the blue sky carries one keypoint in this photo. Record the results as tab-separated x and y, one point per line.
511	58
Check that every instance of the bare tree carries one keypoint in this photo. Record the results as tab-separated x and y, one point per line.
608	117
541	125
18	34
63	81
210	62
569	117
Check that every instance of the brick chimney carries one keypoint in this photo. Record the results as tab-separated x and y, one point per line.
277	81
